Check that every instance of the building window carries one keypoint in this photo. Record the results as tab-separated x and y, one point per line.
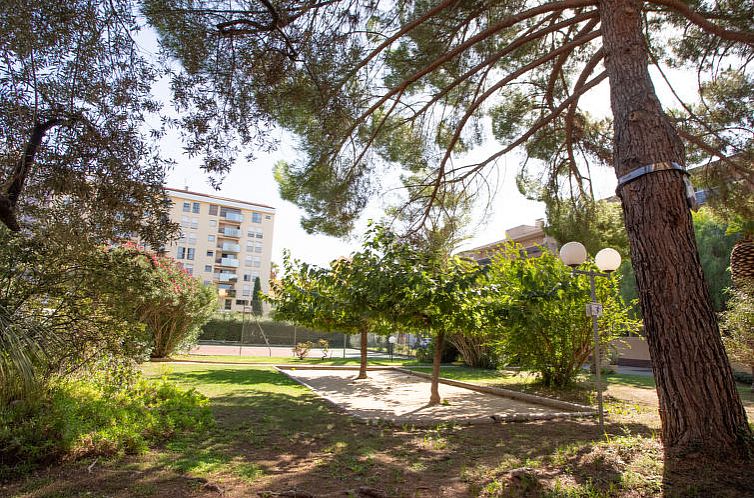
190	253
255	232
255	275
246	290
194	223
242	302
247	277
192	239
195	207
181	253
258	247
211	254
182	238
212	223
211	238
185	221
213	209
189	269
256	217
228	303
267	217
208	268
249	246
257	261
186	207
248	261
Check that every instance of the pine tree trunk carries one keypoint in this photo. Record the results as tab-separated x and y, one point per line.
434	398
363	365
699	406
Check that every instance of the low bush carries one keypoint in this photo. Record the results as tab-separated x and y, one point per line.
77	419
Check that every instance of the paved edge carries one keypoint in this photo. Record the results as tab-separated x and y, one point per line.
583	411
508	393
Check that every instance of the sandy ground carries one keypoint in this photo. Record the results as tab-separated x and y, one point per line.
399	397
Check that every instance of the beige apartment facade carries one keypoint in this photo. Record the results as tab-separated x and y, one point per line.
531	239
223	242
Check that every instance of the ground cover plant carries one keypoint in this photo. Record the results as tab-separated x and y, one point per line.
79	418
273	436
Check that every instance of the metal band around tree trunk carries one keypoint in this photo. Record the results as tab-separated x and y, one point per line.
662	166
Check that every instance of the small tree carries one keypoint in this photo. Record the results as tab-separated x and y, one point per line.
546	329
738	326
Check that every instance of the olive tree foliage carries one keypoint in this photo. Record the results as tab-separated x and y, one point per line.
77	122
62	311
544	326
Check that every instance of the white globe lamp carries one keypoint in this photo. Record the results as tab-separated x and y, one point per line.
573	253
607	260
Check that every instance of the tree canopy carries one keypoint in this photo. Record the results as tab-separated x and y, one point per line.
78	123
416	84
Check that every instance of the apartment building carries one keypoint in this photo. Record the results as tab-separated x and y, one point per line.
223	242
531	238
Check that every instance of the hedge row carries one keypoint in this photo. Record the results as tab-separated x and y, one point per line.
277	333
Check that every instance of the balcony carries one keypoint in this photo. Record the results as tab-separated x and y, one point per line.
226	277
233	262
230	216
230	247
229	232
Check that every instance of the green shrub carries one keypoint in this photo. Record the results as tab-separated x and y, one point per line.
77	419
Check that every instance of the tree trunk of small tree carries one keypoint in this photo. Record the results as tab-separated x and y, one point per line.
363	364
434	398
699	406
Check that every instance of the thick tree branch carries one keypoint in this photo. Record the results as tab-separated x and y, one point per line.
505	23
512	46
556	71
539	124
698	19
570	115
511	77
14	184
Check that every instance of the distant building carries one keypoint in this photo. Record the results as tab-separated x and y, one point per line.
531	239
224	242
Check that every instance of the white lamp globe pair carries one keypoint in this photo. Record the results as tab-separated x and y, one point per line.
574	254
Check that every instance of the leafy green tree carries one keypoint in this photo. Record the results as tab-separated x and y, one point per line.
715	241
545	327
364	84
738	325
332	299
77	122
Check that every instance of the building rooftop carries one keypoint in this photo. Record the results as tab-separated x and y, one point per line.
179	191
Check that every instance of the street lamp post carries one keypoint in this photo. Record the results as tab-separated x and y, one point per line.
391	345
607	260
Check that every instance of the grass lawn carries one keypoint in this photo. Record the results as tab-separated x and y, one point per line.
274	436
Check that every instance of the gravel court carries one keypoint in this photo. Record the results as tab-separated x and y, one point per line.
394	396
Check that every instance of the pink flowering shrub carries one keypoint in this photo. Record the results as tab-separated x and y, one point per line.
171	303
